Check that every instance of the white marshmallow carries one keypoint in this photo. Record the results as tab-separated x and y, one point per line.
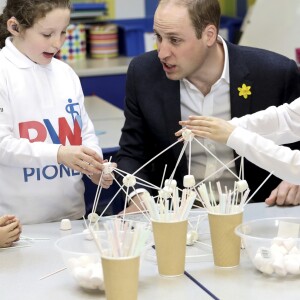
279	266
294	250
277	251
258	260
172	183
292	264
108	168
242	185
168	190
267	268
129	180
191	238
82	273
97	277
65	224
93	217
278	241
187	134
189	181
164	193
87	234
289	243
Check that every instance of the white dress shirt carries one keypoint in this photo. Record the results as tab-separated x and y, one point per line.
215	103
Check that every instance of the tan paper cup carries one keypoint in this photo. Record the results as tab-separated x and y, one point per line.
226	245
121	277
170	246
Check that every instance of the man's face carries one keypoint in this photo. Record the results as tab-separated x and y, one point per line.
181	53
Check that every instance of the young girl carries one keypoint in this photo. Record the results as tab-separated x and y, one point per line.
46	137
10	230
257	137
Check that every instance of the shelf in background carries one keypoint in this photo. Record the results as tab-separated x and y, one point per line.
88	10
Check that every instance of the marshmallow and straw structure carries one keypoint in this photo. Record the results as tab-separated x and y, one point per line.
168	195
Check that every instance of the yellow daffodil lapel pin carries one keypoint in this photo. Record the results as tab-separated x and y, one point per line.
244	91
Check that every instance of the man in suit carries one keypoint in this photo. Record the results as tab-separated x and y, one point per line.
195	72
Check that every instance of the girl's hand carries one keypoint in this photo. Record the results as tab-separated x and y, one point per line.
10	230
212	128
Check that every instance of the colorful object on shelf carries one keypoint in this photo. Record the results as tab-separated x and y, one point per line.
104	41
74	48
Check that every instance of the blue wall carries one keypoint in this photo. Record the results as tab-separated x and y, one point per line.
150	7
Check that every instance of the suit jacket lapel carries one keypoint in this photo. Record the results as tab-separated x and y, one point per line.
239	75
171	106
172	109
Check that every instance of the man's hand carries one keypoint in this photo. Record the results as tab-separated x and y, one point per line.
135	205
285	194
106	180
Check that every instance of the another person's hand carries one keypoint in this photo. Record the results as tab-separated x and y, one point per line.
212	128
106	179
80	158
135	205
285	194
10	230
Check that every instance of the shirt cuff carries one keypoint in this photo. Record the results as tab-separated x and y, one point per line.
137	191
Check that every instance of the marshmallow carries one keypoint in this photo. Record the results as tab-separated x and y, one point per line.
187	134
289	243
168	190
258	260
278	241
87	234
189	181
242	185
292	264
279	267
172	183
191	238
267	268
108	168
129	180
87	273
97	277
93	217
65	224
165	193
277	250
294	250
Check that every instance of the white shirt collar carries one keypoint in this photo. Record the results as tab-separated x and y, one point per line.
225	72
18	58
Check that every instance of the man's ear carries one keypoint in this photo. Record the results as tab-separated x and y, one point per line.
13	26
211	34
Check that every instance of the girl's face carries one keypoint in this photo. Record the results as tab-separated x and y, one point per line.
44	39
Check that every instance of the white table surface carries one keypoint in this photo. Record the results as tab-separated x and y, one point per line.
21	269
108	121
245	282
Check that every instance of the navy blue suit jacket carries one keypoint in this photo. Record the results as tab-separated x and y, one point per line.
152	110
